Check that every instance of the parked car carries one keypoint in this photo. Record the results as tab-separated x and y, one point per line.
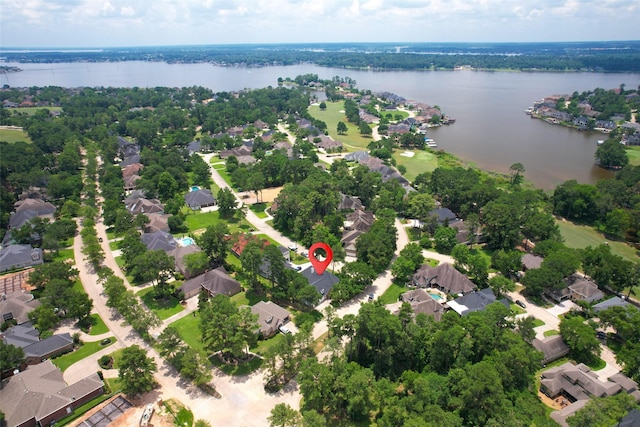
371	297
293	247
521	304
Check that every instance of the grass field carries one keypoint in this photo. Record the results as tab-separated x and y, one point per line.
64	254
258	209
392	294
165	308
634	155
580	236
87	349
352	140
32	110
201	220
11	135
422	161
189	329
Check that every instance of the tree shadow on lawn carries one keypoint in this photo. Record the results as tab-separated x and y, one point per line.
238	372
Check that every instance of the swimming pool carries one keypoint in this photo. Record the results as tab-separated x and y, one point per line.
436	297
195	188
186	241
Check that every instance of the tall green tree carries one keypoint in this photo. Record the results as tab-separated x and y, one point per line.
136	370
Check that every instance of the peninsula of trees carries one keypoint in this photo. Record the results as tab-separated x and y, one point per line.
623	56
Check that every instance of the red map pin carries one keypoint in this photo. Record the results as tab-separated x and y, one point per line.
319	261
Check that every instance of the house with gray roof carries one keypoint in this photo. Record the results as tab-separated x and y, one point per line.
160	240
39	396
36	350
443	277
13	257
475	301
17	305
322	282
612	302
270	317
531	261
357	156
199	199
583	289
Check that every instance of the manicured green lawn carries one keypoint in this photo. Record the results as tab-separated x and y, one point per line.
550	333
189	329
392	294
268	239
394	115
516	309
258	209
352	140
634	155
222	170
537	322
87	349
64	254
163	308
422	161
11	136
98	327
264	346
580	236
114	246
200	220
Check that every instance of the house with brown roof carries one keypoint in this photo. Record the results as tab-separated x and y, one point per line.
349	203
423	303
577	385
243	150
39	396
215	282
132	169
143	205
179	254
240	240
583	289
552	347
270	317
443	277
157	222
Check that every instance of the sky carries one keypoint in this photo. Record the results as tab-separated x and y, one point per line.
116	23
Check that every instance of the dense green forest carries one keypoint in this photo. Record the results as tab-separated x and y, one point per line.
585	56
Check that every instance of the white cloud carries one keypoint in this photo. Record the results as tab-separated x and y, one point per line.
247	21
127	11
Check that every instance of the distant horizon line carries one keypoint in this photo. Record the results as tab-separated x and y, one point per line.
96	48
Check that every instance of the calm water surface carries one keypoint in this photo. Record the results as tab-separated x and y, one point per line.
491	131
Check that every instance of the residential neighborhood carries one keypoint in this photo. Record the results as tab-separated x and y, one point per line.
181	272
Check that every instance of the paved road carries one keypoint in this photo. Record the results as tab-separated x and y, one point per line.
244	401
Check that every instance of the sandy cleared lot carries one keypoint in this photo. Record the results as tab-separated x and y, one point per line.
268	195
